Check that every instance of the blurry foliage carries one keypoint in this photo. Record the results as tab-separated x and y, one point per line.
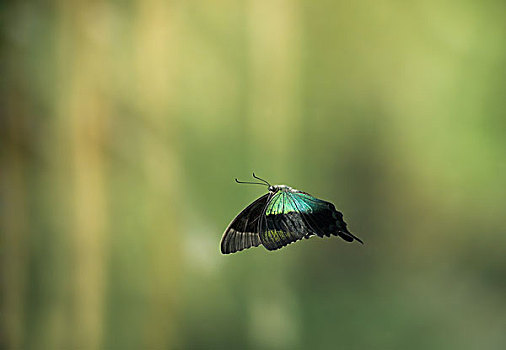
123	124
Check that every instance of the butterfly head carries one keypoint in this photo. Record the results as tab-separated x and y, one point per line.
272	188
277	188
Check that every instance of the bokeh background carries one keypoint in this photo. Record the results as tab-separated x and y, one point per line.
124	123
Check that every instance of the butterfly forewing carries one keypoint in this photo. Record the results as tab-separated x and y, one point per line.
242	233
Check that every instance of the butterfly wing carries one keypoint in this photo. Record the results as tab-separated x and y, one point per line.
242	233
291	216
281	223
321	217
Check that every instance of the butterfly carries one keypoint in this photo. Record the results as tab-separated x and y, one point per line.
282	216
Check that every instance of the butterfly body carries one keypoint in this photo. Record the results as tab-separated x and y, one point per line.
282	216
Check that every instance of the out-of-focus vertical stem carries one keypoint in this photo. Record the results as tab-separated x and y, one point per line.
84	111
275	61
156	54
13	229
90	213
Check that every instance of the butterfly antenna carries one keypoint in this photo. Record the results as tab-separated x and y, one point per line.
250	183
266	182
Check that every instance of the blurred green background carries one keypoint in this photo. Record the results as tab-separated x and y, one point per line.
124	123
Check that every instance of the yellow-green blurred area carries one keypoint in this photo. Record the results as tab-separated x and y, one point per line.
124	123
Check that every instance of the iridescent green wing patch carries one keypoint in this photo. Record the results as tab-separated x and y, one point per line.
305	203
281	224
280	203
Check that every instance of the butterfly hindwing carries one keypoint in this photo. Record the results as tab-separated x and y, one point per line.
321	216
242	233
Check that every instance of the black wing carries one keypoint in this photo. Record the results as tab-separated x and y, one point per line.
242	233
322	219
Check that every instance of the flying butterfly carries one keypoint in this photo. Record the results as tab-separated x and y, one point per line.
280	217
